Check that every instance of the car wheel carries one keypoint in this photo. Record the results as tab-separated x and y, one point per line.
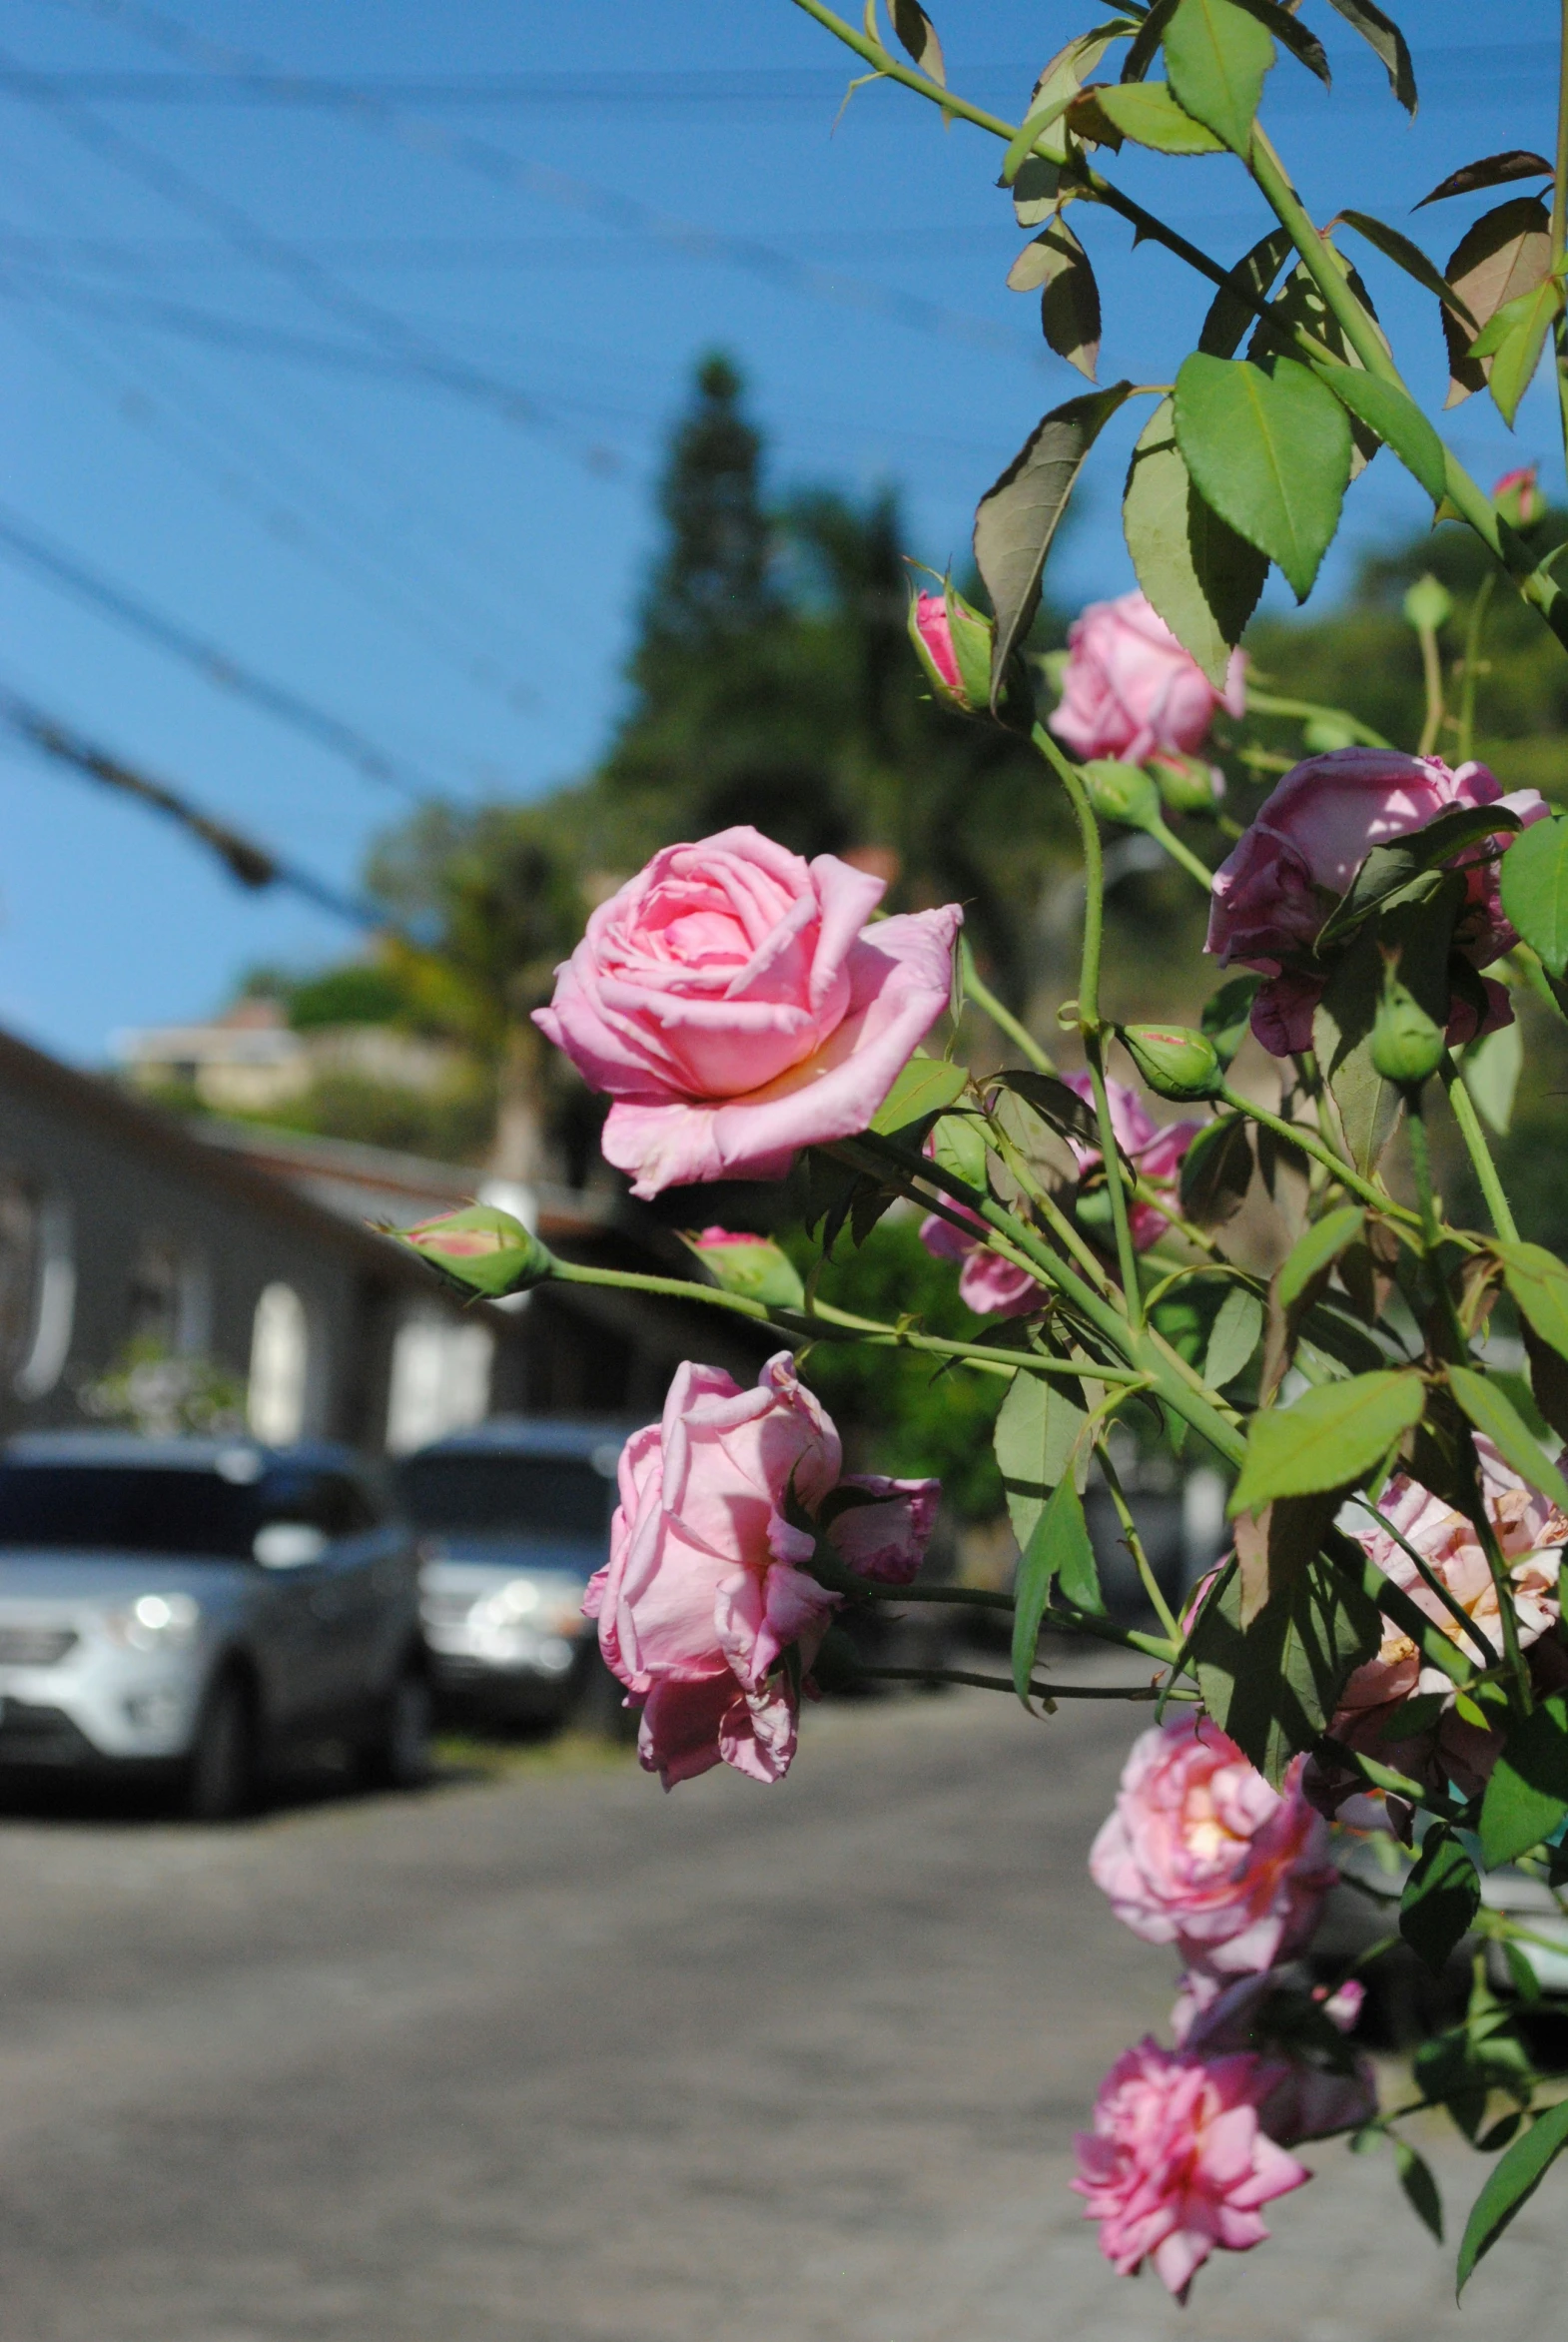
221	1770
398	1756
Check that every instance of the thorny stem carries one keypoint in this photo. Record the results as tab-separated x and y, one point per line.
1264	703
1005	1683
1473	634
1298	1134
1180	853
1480	1154
1432	681
1134	1545
1089	1012
1044	1202
1002	1017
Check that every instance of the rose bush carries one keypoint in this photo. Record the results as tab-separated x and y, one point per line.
1129	691
736	1004
708	1583
1275	889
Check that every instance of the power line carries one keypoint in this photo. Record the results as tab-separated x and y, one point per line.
252	866
24	545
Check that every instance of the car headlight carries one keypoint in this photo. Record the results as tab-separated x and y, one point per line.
155	1622
523	1603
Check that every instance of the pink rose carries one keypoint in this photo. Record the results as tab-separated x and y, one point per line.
1517	495
1132	692
735	1004
935	632
1154	1150
1179	2162
1279	884
707	1585
1201	1853
1531	1533
1315	2094
988	1285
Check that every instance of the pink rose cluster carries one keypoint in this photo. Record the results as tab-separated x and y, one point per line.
736	1003
994	1288
1531	1533
709	1584
1277	886
1188	2144
1131	692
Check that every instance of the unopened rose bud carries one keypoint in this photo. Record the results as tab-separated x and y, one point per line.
1187	784
1428	605
753	1267
481	1250
953	642
1120	792
1407	1045
1174	1060
1516	498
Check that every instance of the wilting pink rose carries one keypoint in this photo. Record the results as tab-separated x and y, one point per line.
1132	692
1279	884
1179	2161
1154	1150
1531	1533
1316	2092
1201	1853
706	1584
733	1002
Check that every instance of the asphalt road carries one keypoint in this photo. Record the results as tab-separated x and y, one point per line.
556	2058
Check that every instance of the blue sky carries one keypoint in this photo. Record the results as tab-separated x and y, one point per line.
370	393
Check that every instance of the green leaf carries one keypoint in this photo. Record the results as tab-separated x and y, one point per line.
1269	452
1511	2184
1231	314
915	29
1420	2187
1409	255
1398	421
1527	1795
1490	1411
1047	1096
1387	40
1275	1685
1217	55
1387	872
1420	929
1058	84
1327	1438
1315	1250
1228	1013
1145	111
1513	339
1302	43
1201	577
1441	1898
1534	883
1506	253
1491	1068
1538	1283
927	1086
958	1145
1217	1171
1018	518
1490	170
1058	1552
1035	1439
1233	1337
1070	299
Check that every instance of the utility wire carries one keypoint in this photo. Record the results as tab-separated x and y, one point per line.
252	866
23	543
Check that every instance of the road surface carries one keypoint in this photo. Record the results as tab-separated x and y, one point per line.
557	2058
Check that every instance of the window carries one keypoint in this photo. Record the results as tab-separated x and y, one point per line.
441	1379
504	1495
280	1366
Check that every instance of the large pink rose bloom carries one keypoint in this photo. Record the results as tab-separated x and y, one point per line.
1132	692
733	1002
1179	2162
1201	1853
706	1584
1279	884
1531	1532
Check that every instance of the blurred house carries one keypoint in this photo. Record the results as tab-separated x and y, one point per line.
121	1229
250	1059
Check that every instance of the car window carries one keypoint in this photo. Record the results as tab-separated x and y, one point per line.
499	1495
142	1508
333	1502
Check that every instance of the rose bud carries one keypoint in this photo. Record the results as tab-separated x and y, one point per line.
953	642
1187	784
482	1250
1174	1060
753	1267
1516	498
1407	1045
1122	791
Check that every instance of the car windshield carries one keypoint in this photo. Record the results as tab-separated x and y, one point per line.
502	1495
142	1508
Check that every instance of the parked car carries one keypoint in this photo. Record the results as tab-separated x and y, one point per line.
188	1608
513	1519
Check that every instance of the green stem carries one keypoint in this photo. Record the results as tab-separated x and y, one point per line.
1474	629
1005	1683
1480	1154
1265	703
1387	1779
1003	1018
966	1597
1297	1135
1089	1012
1134	1545
1321	263
1044	1203
1182	853
1431	1232
1432	682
